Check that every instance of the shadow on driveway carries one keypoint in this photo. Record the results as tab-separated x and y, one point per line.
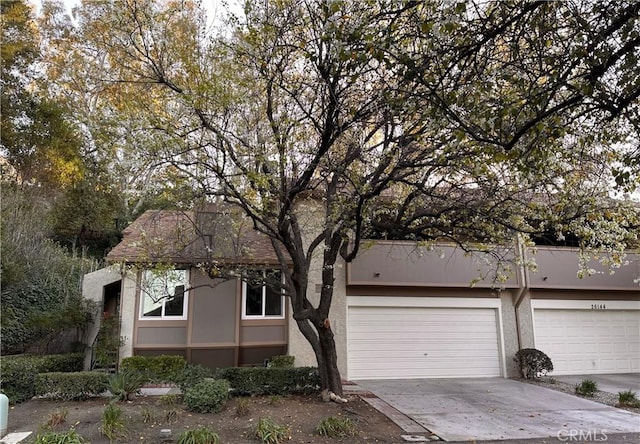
499	409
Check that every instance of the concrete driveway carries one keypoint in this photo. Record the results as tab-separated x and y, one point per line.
612	383
499	409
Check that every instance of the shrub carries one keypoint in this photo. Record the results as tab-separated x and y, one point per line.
71	386
192	374
163	368
628	399
170	399
70	437
112	425
56	418
148	415
281	361
208	396
270	432
18	372
18	378
242	406
271	381
202	435
69	362
533	363
171	416
335	427
125	384
587	387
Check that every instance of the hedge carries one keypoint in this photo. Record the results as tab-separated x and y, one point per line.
163	368
18	379
270	381
18	372
68	362
71	386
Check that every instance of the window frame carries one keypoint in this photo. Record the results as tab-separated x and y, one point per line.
165	299
264	288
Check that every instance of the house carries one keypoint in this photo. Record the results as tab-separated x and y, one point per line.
399	310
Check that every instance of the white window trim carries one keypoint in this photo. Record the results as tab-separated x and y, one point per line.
163	317
264	296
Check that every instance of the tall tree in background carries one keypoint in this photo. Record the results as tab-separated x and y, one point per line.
327	122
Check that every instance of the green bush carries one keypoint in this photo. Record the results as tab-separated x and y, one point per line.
18	372
68	362
18	378
163	368
70	437
533	363
271	381
202	435
208	396
125	384
587	387
281	361
336	427
71	386
191	375
628	399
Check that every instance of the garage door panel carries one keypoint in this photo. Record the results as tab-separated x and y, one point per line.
419	342
589	341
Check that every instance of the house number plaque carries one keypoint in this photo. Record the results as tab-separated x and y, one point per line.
598	307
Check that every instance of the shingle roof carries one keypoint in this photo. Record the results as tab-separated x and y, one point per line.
190	237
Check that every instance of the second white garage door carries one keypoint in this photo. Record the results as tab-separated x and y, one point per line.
422	342
589	341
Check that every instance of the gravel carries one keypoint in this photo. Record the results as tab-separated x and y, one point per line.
610	399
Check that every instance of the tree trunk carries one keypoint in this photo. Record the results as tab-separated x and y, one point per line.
324	347
328	361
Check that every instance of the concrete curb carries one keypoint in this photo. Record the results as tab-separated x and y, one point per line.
408	425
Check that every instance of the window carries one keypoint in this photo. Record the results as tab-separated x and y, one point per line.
164	295
261	300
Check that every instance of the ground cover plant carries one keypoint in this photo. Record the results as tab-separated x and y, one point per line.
145	416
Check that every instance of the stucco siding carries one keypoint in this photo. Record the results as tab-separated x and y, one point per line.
128	314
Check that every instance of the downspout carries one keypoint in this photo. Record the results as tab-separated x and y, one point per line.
524	285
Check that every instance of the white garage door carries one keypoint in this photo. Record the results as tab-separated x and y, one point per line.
420	342
589	341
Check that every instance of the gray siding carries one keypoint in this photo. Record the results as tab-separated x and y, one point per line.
162	336
558	269
405	264
213	311
266	334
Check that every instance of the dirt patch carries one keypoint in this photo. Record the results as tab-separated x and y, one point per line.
146	416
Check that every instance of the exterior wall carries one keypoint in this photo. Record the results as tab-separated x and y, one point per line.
396	269
214	333
93	289
128	314
298	345
309	217
406	264
509	333
558	269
